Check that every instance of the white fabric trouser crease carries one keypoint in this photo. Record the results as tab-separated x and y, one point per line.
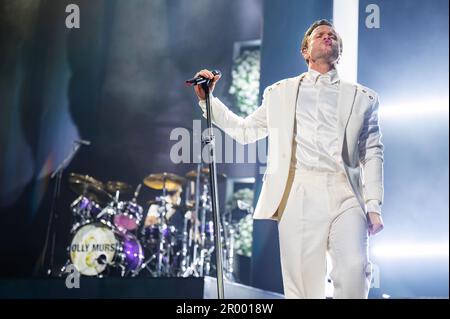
322	214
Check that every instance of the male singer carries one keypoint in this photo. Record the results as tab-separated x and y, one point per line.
324	178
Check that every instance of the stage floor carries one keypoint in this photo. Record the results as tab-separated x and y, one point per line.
127	288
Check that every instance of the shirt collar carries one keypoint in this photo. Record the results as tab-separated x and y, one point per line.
332	75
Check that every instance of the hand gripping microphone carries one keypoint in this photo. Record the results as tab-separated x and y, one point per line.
200	79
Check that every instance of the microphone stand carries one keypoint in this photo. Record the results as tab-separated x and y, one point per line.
208	140
53	216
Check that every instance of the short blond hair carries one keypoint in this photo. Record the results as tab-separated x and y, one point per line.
312	28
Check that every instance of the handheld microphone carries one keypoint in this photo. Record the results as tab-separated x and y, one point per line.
200	79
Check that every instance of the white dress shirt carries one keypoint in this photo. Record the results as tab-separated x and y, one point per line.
317	119
317	126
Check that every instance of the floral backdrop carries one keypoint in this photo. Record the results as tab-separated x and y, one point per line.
245	81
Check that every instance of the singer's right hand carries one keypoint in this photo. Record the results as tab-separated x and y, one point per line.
198	88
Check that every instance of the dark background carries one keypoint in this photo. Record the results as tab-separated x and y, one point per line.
117	81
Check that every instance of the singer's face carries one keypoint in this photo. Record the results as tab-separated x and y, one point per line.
323	44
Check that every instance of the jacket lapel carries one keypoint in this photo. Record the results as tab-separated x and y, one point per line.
291	100
346	100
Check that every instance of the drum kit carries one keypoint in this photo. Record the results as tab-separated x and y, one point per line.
110	235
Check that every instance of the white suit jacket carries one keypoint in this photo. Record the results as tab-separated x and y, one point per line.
358	132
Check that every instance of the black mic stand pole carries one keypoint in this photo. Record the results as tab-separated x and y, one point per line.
53	216
208	140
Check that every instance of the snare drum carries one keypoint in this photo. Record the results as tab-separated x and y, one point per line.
95	247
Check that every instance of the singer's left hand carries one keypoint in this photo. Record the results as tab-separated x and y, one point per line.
375	223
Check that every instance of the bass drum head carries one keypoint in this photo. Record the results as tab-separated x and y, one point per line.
92	249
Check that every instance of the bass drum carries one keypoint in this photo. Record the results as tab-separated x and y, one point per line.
95	247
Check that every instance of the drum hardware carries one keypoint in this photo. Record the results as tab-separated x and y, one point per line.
228	252
83	210
129	214
191	217
193	234
200	265
113	186
125	237
198	242
159	241
89	187
167	182
230	238
159	232
86	208
205	252
107	214
184	248
102	241
80	179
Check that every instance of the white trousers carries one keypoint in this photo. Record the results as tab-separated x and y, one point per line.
320	215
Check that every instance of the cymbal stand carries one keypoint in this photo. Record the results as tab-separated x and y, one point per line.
110	210
201	261
185	243
203	251
161	227
193	232
228	232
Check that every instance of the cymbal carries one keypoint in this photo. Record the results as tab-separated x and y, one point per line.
79	179
88	187
204	173
122	187
170	181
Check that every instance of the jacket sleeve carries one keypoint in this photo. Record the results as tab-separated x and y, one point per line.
243	130
371	156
